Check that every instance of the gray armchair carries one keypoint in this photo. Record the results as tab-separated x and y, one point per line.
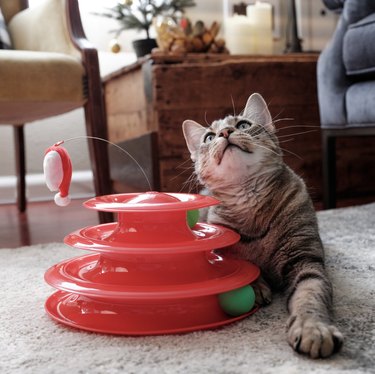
346	83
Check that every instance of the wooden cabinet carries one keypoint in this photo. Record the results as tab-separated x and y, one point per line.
148	101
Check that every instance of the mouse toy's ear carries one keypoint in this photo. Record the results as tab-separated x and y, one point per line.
57	168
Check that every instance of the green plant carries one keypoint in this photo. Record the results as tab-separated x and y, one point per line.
139	14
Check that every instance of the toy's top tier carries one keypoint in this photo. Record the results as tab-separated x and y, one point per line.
151	222
150	202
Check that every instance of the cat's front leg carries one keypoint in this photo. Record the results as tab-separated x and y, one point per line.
263	293
309	327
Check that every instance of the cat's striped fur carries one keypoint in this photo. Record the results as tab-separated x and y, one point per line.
239	160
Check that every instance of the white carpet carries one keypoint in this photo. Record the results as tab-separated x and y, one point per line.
30	342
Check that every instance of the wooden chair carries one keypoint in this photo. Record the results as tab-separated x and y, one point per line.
52	69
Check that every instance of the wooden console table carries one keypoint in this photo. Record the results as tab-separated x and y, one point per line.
148	101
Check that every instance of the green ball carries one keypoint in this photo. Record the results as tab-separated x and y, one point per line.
238	301
192	217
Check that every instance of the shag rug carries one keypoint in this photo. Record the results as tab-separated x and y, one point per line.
30	342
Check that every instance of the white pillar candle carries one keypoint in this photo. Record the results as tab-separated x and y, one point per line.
239	35
260	15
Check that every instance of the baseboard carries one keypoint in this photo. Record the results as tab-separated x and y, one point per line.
82	186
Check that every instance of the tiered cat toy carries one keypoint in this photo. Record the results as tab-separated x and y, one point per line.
152	271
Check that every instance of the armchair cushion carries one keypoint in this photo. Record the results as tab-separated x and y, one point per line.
5	42
31	78
359	47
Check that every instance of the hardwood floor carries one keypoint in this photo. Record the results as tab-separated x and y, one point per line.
44	222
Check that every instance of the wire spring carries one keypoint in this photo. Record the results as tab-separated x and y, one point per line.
115	145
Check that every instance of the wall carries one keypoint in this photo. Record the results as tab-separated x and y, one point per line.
41	134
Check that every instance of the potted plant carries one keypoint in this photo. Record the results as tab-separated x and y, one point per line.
139	15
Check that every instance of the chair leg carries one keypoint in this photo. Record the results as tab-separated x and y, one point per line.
96	126
19	142
329	170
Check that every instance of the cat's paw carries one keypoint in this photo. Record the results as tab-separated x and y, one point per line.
263	293
314	338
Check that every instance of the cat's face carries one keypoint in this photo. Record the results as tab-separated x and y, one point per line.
235	148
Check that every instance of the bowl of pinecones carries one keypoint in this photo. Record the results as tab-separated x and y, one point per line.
182	36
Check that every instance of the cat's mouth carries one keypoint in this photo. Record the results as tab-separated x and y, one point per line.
230	146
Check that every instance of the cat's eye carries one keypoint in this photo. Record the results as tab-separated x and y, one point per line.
243	125
209	137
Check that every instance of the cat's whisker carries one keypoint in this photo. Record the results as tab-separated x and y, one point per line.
179	166
277	115
185	170
205	118
178	175
233	106
298	126
276	153
292	153
286	141
191	182
282	119
268	149
296	133
273	121
184	184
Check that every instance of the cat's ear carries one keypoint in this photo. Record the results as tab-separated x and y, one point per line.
256	110
193	133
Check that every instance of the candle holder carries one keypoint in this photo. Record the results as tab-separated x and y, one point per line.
149	273
248	28
293	42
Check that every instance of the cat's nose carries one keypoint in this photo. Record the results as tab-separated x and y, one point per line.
226	132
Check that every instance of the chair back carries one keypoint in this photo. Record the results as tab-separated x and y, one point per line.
44	28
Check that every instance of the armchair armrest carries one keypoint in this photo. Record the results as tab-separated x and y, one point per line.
89	54
75	27
332	80
90	60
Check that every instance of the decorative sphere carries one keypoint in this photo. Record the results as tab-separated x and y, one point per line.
114	46
237	302
192	217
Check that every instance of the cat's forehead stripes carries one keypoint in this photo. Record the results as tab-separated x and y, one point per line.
222	123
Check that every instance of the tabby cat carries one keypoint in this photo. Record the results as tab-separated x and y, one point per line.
239	161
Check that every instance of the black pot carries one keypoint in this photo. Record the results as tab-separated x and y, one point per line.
144	47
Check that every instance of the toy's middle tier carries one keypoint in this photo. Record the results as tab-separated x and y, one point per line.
151	233
151	277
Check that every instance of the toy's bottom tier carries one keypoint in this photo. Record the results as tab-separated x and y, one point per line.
151	277
138	318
